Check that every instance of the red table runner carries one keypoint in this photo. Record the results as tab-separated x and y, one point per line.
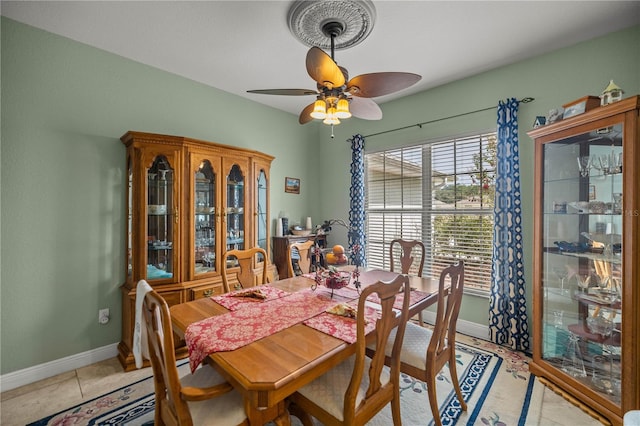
233	303
343	328
245	323
240	327
415	297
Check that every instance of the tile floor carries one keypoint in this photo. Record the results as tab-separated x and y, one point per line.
34	401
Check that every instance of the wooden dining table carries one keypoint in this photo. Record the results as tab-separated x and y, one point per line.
270	369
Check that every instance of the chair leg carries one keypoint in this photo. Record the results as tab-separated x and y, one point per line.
395	408
454	379
433	400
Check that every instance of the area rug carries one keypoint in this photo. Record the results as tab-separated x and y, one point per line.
495	383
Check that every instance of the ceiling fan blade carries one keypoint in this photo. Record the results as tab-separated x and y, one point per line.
286	92
323	69
365	108
380	83
305	115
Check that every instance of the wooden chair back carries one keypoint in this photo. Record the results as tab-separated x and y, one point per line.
442	345
378	396
304	255
171	397
244	276
407	256
170	408
366	383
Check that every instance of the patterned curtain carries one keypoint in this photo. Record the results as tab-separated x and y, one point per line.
357	238
508	310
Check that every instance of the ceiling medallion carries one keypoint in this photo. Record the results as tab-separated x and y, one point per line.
308	20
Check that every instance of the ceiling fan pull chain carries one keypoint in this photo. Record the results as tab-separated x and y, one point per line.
332	135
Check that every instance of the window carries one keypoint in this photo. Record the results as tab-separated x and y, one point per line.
441	193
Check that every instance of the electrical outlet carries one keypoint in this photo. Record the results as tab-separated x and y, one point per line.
103	316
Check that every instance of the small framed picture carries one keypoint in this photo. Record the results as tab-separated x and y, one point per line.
592	192
560	207
292	185
580	106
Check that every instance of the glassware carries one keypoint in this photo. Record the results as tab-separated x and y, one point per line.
557	319
584	165
617	202
604	378
598	324
572	362
583	281
616	162
605	164
562	274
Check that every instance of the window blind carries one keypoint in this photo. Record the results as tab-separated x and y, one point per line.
441	193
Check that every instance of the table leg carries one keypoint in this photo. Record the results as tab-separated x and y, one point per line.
277	414
283	418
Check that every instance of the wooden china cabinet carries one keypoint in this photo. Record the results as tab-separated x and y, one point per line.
188	201
586	295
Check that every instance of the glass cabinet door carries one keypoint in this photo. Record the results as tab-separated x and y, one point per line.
261	211
235	205
160	219
129	219
205	218
582	258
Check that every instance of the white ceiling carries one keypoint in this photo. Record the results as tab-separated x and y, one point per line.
241	45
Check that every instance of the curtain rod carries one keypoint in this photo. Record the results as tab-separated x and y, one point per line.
525	100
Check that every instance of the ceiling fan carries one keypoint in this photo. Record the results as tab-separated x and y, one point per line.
336	96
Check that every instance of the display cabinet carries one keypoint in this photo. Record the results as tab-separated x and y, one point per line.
188	201
586	295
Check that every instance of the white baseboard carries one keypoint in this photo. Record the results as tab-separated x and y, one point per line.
49	369
473	329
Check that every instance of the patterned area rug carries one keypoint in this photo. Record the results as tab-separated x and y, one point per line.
495	383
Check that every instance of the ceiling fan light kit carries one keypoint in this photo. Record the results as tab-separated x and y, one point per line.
338	24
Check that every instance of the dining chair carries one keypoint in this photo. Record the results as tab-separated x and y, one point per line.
424	351
244	276
201	398
302	257
410	259
408	255
352	392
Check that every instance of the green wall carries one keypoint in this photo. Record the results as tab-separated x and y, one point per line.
64	106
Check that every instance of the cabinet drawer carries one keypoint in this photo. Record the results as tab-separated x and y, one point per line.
172	297
205	291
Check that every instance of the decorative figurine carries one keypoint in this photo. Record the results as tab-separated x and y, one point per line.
554	115
612	93
540	121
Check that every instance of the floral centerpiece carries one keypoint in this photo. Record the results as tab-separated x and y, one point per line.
333	278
